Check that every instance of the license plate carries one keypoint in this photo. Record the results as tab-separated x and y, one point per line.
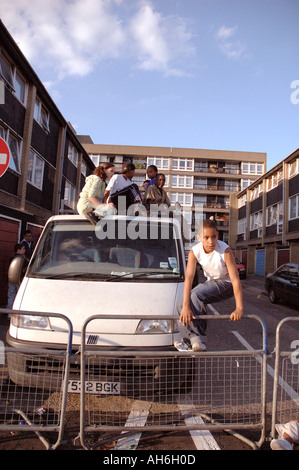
107	388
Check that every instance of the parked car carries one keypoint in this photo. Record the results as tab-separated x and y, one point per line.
241	269
283	284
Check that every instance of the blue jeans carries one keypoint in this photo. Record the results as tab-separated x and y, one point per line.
203	294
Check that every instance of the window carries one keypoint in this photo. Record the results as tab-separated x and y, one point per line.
72	154
293	168
280	218
13	79
231	185
161	163
294	207
248	168
70	195
245	183
271	218
182	164
231	168
41	115
184	199
242	201
95	159
289	273
35	170
273	180
20	87
200	200
6	71
255	192
256	222
274	216
83	168
242	227
201	183
201	167
179	181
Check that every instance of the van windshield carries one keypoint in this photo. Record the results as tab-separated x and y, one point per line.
116	250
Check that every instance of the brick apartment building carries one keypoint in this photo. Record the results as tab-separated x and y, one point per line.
264	218
48	164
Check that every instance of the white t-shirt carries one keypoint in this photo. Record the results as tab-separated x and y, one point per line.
213	264
117	183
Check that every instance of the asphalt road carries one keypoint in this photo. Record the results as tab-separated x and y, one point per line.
222	335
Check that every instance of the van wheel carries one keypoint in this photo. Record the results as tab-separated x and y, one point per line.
272	296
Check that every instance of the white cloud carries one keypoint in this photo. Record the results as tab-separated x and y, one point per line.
229	46
68	36
161	42
71	36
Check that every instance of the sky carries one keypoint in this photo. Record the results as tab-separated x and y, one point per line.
206	74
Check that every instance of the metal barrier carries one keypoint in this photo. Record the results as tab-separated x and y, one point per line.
285	406
33	385
165	391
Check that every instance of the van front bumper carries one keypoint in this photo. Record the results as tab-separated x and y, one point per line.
142	372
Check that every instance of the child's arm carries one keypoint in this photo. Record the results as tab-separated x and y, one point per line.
237	286
186	312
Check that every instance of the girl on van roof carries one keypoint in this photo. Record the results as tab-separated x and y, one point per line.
91	196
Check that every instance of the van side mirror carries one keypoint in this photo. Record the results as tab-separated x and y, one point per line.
16	269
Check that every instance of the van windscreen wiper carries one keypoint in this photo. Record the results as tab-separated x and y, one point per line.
147	274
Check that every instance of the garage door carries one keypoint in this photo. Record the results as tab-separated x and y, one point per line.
9	236
283	256
260	262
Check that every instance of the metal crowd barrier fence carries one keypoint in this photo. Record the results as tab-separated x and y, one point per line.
285	405
165	391
33	385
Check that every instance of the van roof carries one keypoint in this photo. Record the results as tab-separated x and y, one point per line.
65	217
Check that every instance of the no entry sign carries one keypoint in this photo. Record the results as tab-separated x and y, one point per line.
4	156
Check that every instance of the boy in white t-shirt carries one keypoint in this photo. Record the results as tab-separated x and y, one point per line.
223	282
121	181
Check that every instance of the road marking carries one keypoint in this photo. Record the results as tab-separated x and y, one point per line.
289	390
137	417
202	439
213	309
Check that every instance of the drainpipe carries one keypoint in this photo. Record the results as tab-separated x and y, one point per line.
59	167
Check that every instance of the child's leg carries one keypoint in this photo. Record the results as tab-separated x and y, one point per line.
201	295
288	434
289	431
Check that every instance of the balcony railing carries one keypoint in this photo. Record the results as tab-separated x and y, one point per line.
216	187
231	171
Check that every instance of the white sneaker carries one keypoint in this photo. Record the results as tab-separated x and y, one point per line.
180	346
198	345
281	444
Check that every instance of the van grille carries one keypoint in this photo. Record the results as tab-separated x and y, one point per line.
95	366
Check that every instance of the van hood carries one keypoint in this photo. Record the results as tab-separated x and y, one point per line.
78	300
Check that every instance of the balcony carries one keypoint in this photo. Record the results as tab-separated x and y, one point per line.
228	186
216	169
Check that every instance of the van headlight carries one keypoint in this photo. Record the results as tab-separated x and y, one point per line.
30	321
157	327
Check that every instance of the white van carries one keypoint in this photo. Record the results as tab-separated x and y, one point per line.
123	266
